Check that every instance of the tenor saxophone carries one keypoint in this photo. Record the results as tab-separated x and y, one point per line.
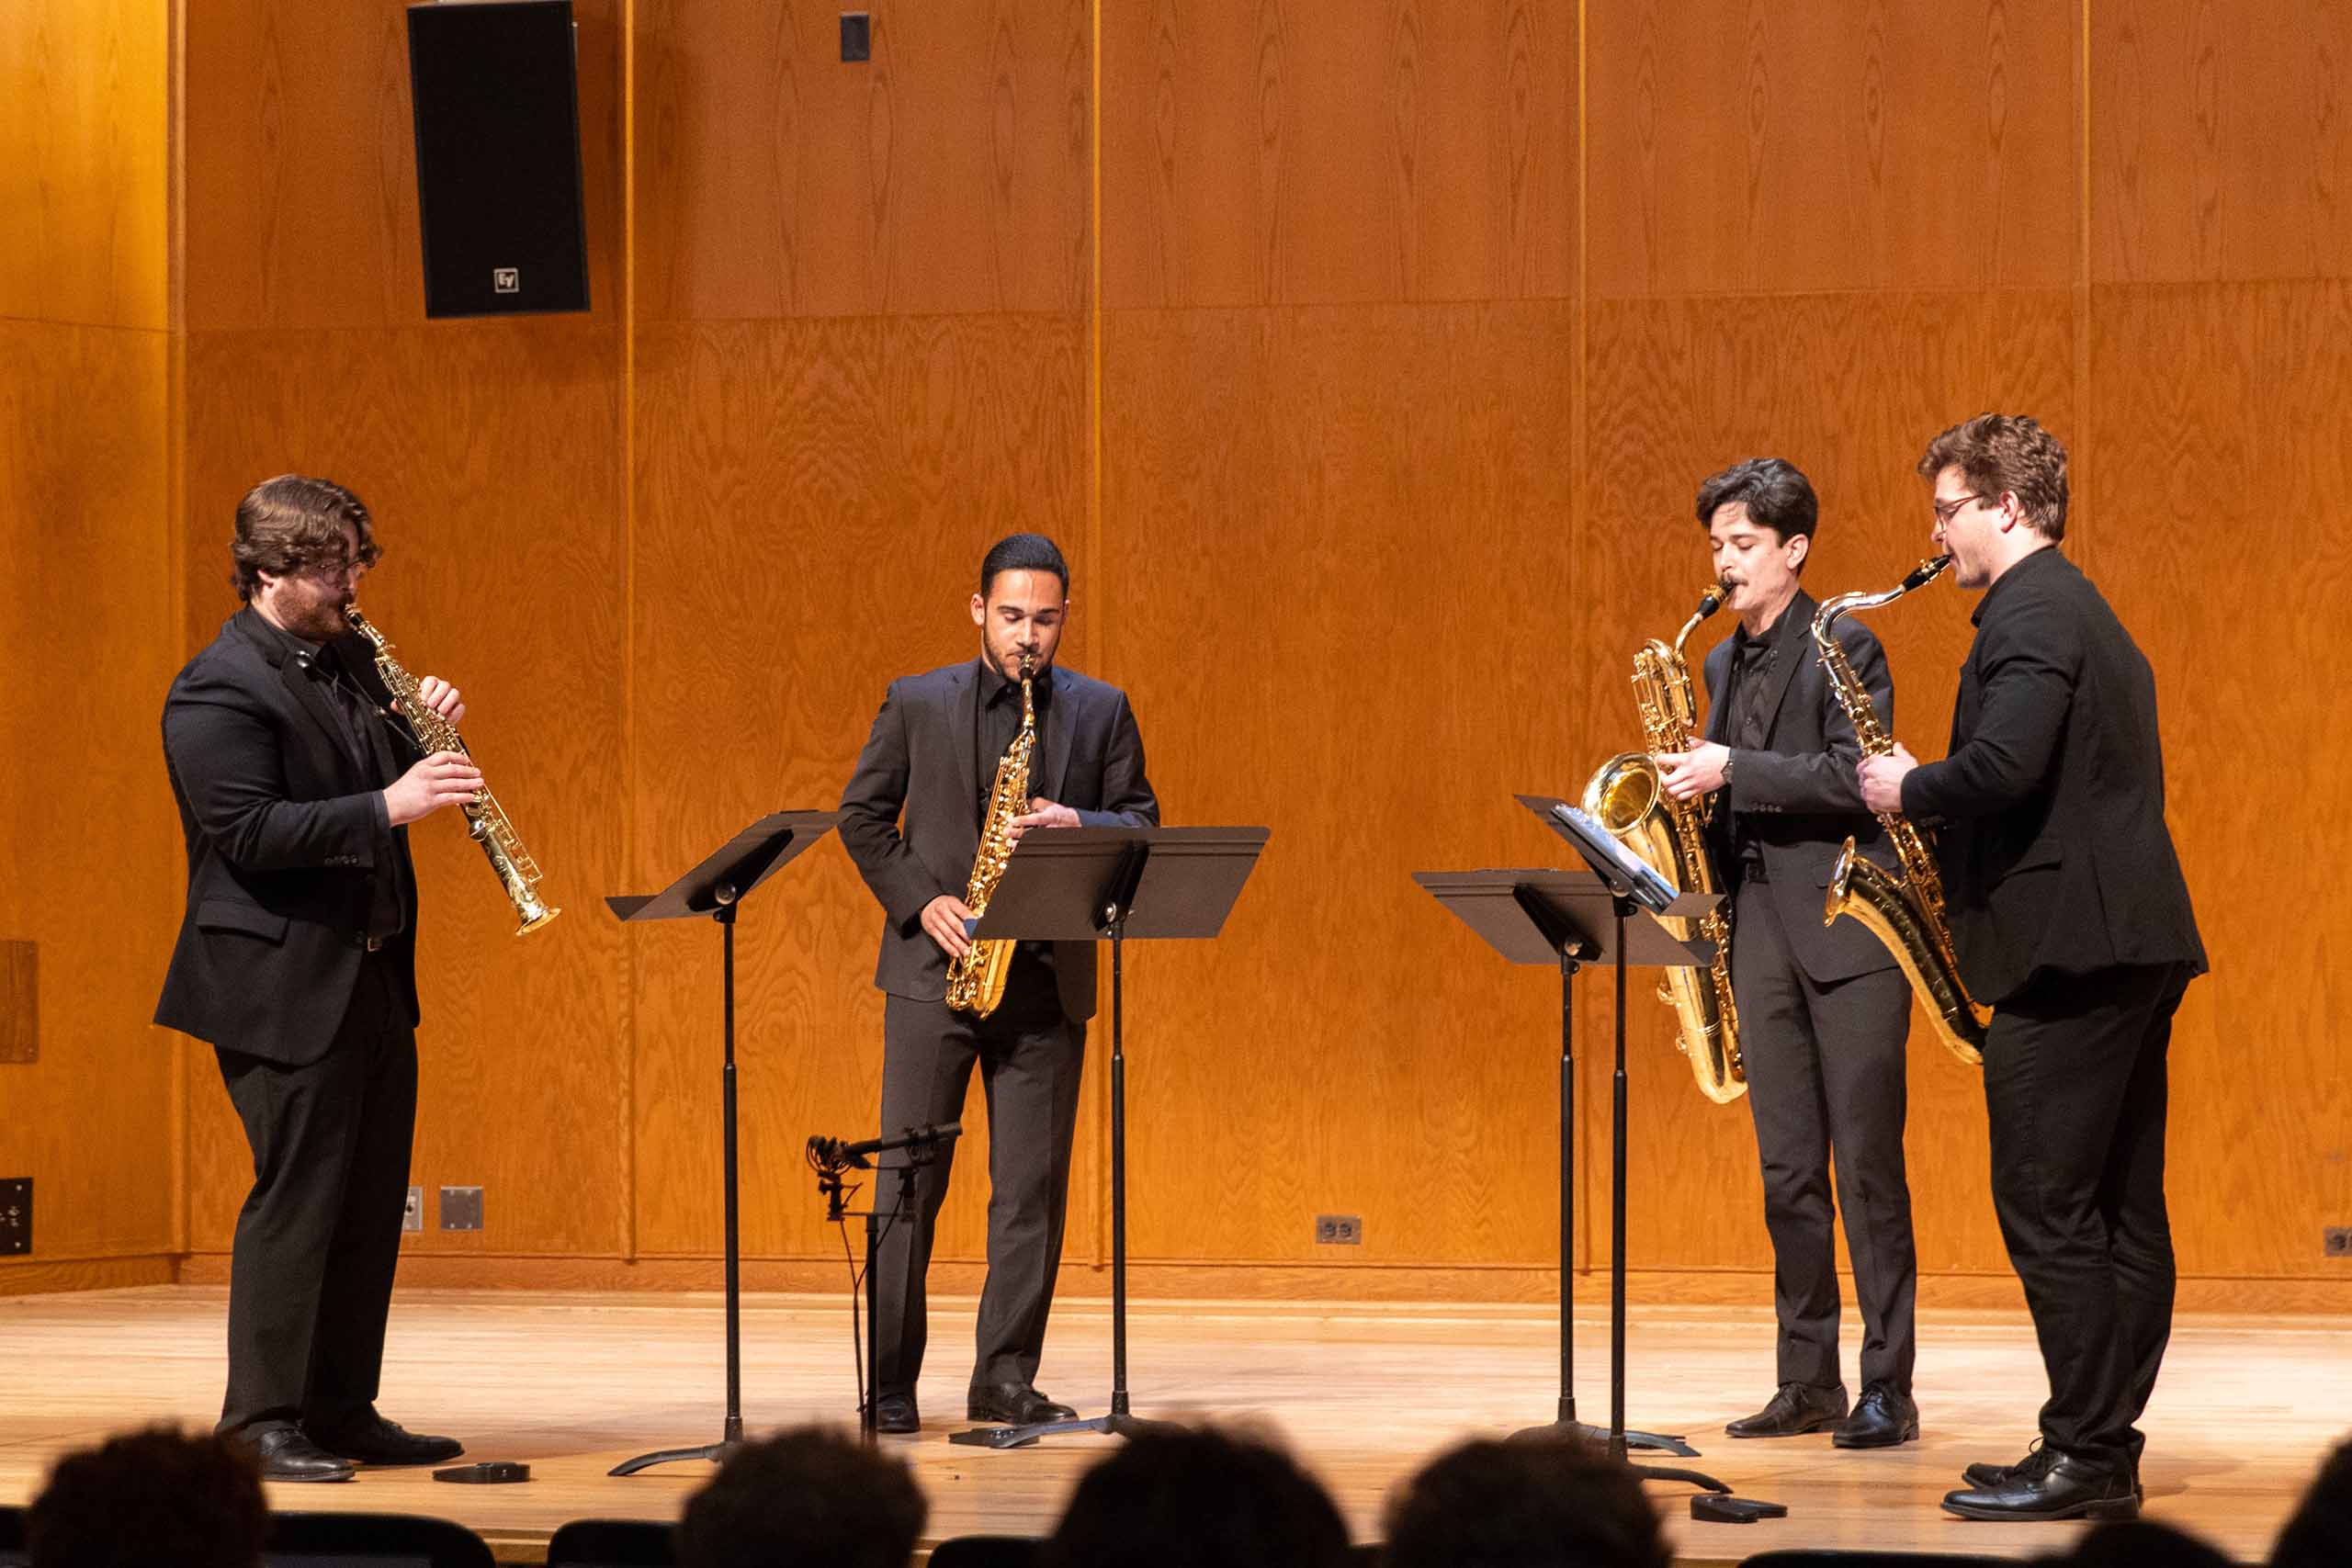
976	981
1904	909
1627	795
518	873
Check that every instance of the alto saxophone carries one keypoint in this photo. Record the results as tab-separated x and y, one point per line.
1905	909
976	981
518	873
1628	797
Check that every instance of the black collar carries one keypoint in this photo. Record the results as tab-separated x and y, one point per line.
994	685
2030	563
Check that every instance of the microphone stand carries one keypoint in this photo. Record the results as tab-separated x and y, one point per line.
831	1157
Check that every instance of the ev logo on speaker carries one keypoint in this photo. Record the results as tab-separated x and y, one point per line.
506	280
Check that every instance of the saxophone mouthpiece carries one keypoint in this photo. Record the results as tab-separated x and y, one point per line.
1712	599
1927	571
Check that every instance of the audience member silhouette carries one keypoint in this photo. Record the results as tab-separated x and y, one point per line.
1198	1498
2319	1535
1525	1504
809	1497
148	1498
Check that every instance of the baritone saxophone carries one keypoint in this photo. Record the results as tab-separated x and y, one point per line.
1627	795
1904	909
518	873
976	981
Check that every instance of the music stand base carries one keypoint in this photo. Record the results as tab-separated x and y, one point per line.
716	1454
1120	1426
1699	1479
1558	1431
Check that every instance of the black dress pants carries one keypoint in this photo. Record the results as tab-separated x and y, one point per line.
2075	1090
1827	1071
1029	1058
310	1275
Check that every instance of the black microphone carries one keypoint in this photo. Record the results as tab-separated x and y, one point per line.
832	1151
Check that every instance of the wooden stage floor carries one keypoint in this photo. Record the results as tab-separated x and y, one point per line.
574	1382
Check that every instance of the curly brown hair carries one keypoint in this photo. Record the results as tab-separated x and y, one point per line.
2001	454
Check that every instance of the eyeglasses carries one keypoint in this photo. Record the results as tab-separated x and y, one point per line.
336	567
1947	510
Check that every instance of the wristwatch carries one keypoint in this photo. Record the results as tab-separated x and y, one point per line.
1729	758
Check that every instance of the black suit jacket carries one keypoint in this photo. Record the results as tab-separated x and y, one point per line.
2055	851
910	814
1798	798
286	836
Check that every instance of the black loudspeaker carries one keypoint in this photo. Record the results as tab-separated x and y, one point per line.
496	88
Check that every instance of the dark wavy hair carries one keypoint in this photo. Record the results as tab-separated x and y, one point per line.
294	523
1777	495
1197	1498
147	1498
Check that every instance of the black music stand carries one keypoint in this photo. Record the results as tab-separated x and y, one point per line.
716	889
1569	918
1078	885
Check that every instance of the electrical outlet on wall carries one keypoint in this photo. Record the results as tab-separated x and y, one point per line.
1338	1230
413	1211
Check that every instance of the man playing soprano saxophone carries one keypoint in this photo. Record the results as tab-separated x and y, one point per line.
2071	918
297	960
1823	1012
911	818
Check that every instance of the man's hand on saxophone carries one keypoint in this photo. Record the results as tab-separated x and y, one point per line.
1882	778
1042	813
441	697
1689	774
445	778
943	920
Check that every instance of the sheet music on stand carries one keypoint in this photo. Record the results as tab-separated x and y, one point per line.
1639	878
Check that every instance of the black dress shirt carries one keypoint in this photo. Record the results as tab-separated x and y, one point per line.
1752	660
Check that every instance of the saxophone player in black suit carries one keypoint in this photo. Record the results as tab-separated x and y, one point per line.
911	818
2072	919
297	960
1824	1012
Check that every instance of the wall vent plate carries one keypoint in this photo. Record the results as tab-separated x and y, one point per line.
15	1216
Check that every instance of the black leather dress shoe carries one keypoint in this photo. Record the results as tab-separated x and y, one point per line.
1797	1409
2067	1489
896	1413
283	1454
1016	1404
371	1439
2036	1463
1883	1417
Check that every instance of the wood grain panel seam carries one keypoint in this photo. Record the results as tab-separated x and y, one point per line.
1095	556
626	957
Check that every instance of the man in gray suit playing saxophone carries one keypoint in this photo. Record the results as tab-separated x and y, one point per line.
911	819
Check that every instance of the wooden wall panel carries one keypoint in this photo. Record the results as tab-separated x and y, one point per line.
83	161
2223	439
86	823
1678	389
1341	560
813	501
301	164
2219	150
489	454
950	173
1746	148
1320	151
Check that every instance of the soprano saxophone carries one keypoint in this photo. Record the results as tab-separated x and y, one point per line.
1627	795
518	873
976	981
1905	909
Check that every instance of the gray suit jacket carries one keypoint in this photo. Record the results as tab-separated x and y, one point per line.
910	814
1798	798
